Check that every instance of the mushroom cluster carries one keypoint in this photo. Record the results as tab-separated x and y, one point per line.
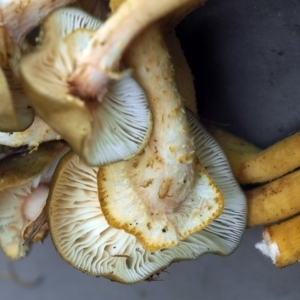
100	143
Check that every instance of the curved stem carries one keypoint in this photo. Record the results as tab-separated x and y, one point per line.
109	43
274	201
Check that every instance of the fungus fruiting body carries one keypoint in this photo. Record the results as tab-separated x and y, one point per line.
145	185
84	239
274	201
17	18
158	194
107	47
281	242
105	128
24	187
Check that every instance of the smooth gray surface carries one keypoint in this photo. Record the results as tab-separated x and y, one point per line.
245	57
245	275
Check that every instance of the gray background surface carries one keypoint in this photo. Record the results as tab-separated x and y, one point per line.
245	58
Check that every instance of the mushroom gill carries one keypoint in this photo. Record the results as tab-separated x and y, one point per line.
100	130
83	237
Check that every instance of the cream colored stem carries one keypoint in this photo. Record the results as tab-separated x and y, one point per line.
110	41
274	201
158	180
174	148
183	74
286	236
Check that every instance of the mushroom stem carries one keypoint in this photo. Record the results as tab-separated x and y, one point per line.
90	78
275	201
236	149
165	177
282	242
183	74
252	166
275	161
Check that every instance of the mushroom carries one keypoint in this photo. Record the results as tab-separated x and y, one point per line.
131	17
163	194
274	201
17	18
183	75
107	46
82	236
253	166
16	114
281	242
100	130
24	187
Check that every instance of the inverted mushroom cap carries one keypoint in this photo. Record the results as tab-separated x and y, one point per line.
16	114
24	188
84	239
100	129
